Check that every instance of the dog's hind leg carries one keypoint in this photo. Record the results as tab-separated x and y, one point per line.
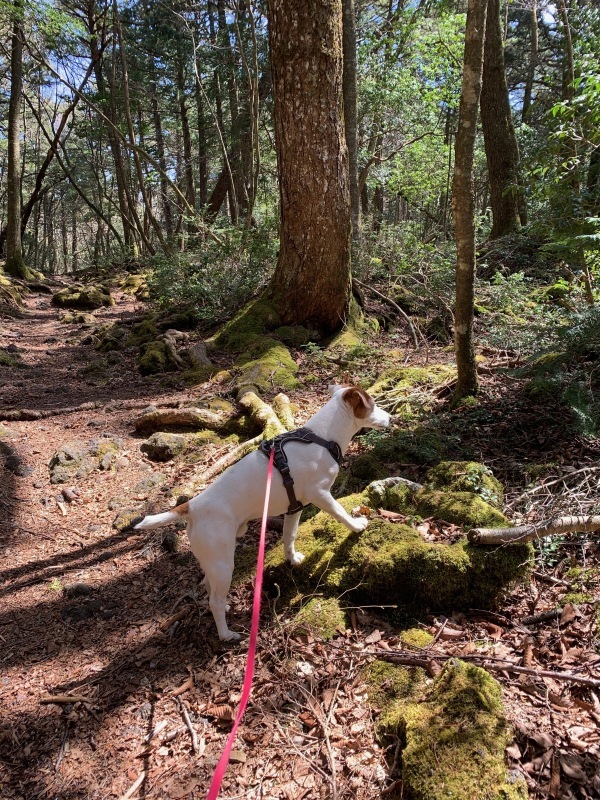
219	579
290	531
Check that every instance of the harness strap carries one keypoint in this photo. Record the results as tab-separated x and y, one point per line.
299	435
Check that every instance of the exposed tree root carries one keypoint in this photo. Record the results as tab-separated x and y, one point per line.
262	413
283	409
527	533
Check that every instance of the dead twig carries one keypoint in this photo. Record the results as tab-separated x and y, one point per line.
394	305
188	722
134	786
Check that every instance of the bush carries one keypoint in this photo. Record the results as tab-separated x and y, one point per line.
216	280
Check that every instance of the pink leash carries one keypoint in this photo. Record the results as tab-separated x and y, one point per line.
215	785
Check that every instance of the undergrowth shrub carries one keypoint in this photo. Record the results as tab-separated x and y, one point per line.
219	278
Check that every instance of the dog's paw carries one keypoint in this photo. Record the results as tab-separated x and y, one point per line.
296	559
230	636
358	524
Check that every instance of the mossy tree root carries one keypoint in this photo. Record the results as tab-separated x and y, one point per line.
527	533
283	409
262	413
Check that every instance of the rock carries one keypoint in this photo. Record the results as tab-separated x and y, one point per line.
127	518
460	718
147	485
198	357
156	357
78	319
294	335
390	562
76	460
164	446
84	297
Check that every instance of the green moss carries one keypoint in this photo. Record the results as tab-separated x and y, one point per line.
320	616
416	445
542	390
399	498
80	318
84	297
466	476
459	508
133	283
254	320
197	375
399	378
391	563
416	637
143	333
155	357
8	359
267	365
390	687
462	724
366	468
293	335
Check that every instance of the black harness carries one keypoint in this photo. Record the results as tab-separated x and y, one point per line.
280	459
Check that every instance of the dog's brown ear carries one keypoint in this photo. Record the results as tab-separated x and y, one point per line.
361	403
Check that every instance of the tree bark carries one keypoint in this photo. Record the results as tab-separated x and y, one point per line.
463	198
311	283
160	150
15	263
351	109
501	148
533	58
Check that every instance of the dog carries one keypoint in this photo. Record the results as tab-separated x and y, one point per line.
220	514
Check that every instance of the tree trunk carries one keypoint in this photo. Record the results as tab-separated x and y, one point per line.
188	169
351	109
311	283
15	264
160	150
463	198
501	148
533	58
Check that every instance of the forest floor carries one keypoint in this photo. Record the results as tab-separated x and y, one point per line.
117	625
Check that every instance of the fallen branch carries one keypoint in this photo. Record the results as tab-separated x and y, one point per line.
188	722
492	665
394	305
283	409
135	786
29	414
63	699
527	533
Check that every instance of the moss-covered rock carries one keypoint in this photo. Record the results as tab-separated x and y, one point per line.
321	616
391	563
133	283
85	297
459	508
164	446
142	333
466	476
75	460
460	721
107	338
393	494
156	357
127	518
408	378
8	359
80	318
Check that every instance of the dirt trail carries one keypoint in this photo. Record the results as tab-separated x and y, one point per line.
117	625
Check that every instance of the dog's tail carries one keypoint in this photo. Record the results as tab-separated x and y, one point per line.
156	520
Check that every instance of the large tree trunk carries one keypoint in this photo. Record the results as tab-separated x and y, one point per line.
311	283
501	148
351	109
15	264
463	198
160	150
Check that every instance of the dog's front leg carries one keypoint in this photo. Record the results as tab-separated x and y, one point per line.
290	531
329	504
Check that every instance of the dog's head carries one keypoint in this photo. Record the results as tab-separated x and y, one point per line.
366	413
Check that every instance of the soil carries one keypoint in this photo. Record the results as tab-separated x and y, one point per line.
106	643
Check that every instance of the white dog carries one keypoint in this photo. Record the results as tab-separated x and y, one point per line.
222	512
